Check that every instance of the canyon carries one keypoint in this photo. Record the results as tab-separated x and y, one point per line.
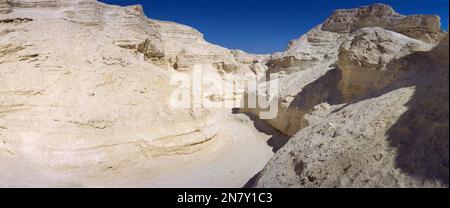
86	93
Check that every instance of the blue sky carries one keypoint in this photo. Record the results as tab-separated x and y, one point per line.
266	26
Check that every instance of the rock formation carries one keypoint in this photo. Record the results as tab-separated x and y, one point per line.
363	60
389	140
354	44
85	103
426	28
5	7
377	131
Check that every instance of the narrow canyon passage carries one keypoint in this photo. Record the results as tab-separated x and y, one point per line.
238	152
105	96
230	159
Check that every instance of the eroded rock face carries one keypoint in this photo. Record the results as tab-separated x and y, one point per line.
315	47
360	43
368	127
363	60
5	7
181	47
423	27
307	60
389	140
86	102
48	3
34	3
151	48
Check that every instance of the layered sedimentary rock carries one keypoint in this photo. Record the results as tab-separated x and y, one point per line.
376	124
5	7
423	27
181	47
398	138
33	3
364	58
316	46
307	59
84	101
354	44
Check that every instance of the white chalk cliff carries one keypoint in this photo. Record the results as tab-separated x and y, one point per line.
85	90
375	114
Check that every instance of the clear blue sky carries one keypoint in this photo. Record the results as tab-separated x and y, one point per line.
266	26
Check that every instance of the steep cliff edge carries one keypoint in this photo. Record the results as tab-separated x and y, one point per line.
323	65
